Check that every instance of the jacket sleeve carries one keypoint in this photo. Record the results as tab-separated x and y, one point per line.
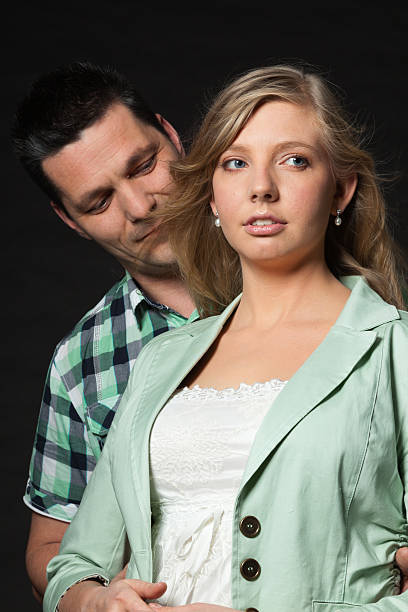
95	542
397	381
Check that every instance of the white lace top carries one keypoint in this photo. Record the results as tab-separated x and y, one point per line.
198	451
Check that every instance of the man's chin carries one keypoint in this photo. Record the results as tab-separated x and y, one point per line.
153	269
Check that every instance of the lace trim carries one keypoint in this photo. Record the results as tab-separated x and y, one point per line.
243	391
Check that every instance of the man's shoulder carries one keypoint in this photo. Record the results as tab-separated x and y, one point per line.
113	304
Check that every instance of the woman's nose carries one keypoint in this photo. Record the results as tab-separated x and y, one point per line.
263	188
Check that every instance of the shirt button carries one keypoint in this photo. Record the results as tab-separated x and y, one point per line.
250	569
250	526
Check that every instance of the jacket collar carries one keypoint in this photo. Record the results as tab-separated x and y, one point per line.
364	309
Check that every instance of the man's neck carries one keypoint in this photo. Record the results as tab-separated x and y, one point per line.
171	292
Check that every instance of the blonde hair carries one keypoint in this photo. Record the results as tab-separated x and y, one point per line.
362	245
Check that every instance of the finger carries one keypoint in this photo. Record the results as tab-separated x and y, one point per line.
121	575
147	590
401	559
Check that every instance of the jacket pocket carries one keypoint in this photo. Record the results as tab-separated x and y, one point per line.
333	606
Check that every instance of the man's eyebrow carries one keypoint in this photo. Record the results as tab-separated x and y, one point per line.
140	155
135	158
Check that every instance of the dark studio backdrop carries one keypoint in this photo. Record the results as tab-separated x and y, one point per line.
178	57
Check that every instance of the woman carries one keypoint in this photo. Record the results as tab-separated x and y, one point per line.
267	446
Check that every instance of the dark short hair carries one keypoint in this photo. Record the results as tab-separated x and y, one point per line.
62	103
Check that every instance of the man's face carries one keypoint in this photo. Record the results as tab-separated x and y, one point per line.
110	180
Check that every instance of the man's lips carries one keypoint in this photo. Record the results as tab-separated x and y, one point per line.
146	232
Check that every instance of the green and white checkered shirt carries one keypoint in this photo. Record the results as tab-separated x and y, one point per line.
86	379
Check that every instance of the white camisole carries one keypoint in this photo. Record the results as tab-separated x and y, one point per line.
199	447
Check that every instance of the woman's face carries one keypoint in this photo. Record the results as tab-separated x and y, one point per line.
274	189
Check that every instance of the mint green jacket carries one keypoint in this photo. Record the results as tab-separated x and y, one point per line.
326	476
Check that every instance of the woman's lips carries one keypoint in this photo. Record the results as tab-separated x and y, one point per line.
264	226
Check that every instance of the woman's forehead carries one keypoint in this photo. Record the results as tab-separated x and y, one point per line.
279	121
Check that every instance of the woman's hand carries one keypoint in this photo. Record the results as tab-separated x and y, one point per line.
126	595
196	607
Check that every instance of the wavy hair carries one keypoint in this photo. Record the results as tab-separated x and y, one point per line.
362	245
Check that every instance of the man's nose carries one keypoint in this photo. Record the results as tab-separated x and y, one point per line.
136	202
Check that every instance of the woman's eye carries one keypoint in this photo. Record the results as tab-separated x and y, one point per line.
234	164
297	161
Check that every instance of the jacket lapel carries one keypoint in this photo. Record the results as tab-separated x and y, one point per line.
326	368
180	352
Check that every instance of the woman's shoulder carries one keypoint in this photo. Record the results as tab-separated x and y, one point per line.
196	329
175	341
399	326
183	333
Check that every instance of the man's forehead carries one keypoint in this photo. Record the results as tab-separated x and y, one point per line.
112	144
119	123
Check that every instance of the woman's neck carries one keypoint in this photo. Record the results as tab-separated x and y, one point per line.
307	293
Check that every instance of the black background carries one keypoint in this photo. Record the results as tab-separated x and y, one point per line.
178	56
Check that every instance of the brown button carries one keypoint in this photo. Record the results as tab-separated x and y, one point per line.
250	526
250	569
251	610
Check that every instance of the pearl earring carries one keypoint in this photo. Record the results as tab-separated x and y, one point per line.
217	221
337	220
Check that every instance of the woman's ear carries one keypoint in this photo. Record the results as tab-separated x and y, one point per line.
344	193
213	207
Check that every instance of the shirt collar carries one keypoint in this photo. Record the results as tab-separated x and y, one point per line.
138	297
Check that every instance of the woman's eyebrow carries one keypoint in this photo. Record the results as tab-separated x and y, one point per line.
242	148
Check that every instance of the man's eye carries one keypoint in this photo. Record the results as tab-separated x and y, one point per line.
234	164
297	161
100	206
146	166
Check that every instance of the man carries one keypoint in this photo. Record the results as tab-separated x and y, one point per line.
102	157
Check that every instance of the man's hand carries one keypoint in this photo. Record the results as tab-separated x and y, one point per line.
121	596
401	559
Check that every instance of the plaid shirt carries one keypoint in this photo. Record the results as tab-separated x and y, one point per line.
85	381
